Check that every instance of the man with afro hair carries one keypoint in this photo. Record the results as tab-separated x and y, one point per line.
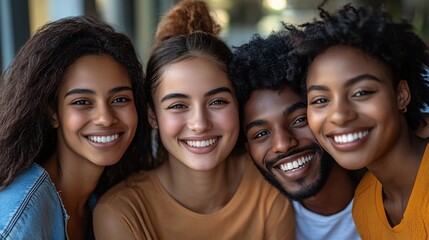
274	123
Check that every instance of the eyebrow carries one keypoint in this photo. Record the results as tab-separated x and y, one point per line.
296	106
217	90
349	82
287	111
89	91
253	124
207	94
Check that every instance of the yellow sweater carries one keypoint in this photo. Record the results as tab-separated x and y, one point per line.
370	217
140	208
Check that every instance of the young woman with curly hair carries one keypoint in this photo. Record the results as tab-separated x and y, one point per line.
366	89
70	103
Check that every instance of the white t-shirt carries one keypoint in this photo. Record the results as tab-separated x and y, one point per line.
310	225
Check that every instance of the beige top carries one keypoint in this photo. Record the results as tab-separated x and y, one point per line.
140	208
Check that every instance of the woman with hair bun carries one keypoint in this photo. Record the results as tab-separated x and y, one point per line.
206	186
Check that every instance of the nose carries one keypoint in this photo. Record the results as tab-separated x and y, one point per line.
341	111
104	115
283	141
199	120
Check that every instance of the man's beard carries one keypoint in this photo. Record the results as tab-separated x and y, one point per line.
306	190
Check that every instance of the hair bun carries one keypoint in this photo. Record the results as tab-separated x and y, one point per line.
186	17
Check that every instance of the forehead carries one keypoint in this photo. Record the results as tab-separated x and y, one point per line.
95	72
193	75
344	62
268	103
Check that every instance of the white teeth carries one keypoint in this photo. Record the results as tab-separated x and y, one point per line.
297	163
351	137
103	139
204	143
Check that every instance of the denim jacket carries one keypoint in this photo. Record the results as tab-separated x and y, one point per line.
30	208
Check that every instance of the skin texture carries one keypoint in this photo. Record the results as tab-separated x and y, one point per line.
350	92
354	95
188	114
277	133
95	100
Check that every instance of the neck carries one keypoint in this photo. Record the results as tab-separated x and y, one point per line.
397	170
328	201
75	182
202	191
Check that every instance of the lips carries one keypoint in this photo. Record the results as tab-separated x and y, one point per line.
201	143
350	137
296	164
103	139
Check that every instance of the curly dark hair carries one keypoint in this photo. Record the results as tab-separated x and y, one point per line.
267	64
31	84
373	31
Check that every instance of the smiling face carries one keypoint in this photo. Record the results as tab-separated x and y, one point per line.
196	113
282	144
96	115
353	108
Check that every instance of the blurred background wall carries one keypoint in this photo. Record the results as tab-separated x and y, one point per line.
240	19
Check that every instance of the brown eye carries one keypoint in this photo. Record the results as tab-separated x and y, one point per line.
300	120
219	102
80	102
361	93
261	134
177	106
319	101
121	100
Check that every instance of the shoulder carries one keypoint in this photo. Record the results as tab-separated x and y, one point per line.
366	192
34	182
130	189
253	177
367	182
30	200
118	213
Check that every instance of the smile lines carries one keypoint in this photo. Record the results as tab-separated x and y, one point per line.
201	144
299	163
351	137
103	139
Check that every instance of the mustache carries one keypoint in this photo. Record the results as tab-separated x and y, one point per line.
314	147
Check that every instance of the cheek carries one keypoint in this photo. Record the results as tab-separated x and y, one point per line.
380	109
73	120
303	133
170	124
315	120
228	119
130	118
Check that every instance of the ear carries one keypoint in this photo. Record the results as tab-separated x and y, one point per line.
403	95
151	116
54	118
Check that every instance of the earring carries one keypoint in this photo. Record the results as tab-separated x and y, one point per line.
403	110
